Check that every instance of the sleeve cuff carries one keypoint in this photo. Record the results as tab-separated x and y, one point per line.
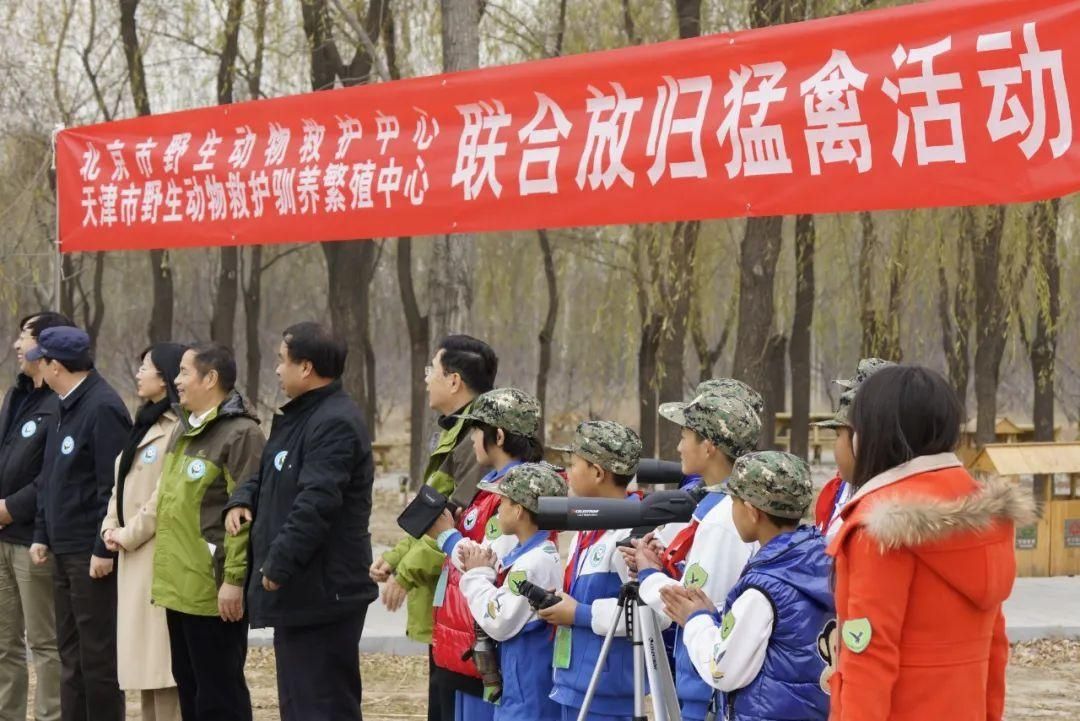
697	614
100	550
583	615
644	575
698	623
448	540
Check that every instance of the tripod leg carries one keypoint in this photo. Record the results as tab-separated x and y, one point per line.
665	702
639	663
594	681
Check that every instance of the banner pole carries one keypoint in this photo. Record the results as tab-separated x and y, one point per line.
57	256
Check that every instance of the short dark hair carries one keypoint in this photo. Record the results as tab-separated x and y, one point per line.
216	357
37	322
900	413
523	448
472	359
621	480
314	342
78	365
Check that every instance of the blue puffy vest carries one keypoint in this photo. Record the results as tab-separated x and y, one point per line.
793	571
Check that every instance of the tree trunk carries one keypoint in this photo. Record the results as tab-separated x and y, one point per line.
223	319
419	340
672	349
350	268
648	393
775	371
547	333
161	309
801	335
992	301
868	317
252	312
759	252
955	315
1048	312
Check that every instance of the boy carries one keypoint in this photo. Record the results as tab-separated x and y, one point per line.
604	458
765	655
717	429
836	492
496	601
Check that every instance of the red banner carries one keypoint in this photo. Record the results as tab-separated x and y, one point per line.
952	102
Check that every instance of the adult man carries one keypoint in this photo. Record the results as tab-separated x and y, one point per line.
311	549
26	590
463	368
199	571
77	479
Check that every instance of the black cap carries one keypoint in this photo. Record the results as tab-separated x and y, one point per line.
63	343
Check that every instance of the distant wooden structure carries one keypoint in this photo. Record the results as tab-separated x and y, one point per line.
1005	431
819	437
1050	546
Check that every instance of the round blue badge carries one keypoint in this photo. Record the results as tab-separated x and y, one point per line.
29	428
150	454
279	459
196	470
67	446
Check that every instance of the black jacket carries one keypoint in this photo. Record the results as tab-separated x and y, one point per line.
27	416
311	502
80	460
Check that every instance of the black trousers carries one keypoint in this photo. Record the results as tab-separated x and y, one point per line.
208	657
86	636
440	700
318	670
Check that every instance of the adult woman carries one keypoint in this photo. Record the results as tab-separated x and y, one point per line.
142	637
924	560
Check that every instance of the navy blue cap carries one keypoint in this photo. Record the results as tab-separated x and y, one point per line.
64	343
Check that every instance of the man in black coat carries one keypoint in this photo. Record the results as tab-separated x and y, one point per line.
30	409
76	484
310	544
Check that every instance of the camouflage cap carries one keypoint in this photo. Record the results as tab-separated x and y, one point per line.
733	388
608	444
513	410
527	483
842	419
730	423
775	482
867	367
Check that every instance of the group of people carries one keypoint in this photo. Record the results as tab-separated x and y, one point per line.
135	554
882	600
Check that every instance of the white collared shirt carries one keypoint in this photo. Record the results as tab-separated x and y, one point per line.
74	388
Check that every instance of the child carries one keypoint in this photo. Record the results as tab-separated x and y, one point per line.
764	655
605	456
496	601
505	423
837	491
717	429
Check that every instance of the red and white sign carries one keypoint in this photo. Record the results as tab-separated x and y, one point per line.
951	102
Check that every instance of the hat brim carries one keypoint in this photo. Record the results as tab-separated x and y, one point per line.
674	412
491	487
35	353
845	383
561	449
831	423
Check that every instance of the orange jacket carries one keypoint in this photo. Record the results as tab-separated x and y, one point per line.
924	560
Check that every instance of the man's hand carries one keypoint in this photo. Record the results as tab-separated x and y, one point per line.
236	518
393	595
380	571
473	555
5	517
110	540
562	613
645	557
680	603
101	567
39	554
444	522
270	585
230	602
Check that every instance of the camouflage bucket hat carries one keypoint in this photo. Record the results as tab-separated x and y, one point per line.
733	388
867	367
527	483
513	410
733	426
774	482
608	444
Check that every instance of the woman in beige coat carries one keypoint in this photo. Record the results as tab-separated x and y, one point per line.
142	638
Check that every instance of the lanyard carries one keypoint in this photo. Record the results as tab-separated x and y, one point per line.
586	540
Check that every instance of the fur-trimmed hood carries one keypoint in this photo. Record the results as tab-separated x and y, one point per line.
914	521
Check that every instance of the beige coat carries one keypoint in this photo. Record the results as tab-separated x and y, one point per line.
144	660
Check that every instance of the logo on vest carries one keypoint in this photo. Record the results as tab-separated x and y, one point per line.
470	519
67	446
514	581
279	460
695	576
727	626
196	470
29	428
714	662
599	553
492	530
856	634
150	454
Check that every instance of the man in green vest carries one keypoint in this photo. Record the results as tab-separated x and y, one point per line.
463	368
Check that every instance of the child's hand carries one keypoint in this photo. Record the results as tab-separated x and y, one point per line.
477	556
680	603
562	613
644	556
629	556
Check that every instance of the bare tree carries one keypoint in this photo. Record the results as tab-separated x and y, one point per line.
800	347
955	308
